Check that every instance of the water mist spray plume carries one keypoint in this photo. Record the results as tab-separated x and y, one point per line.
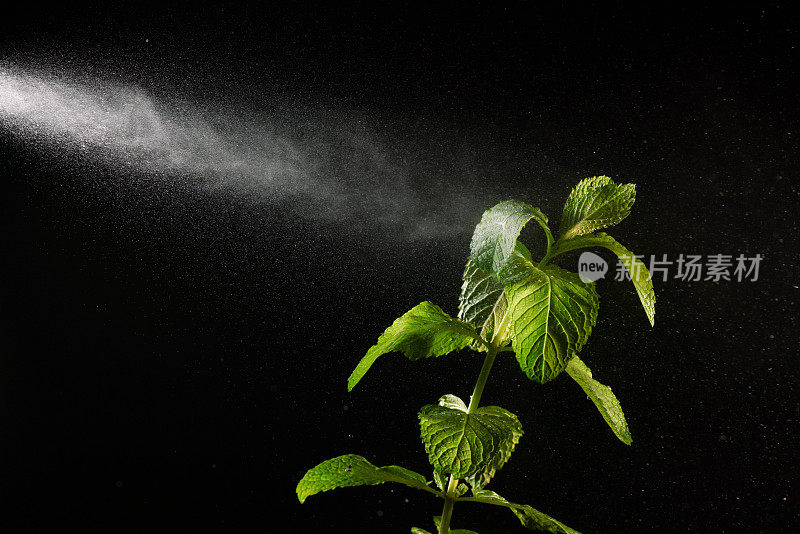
334	169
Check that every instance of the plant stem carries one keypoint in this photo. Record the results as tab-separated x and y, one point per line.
494	348
449	501
474	401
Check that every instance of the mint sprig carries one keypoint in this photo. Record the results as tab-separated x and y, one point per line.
509	302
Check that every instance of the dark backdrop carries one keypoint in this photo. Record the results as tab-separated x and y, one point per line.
175	358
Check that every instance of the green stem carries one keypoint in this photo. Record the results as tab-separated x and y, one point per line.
483	376
449	501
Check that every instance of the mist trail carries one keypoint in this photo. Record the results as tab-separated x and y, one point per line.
328	167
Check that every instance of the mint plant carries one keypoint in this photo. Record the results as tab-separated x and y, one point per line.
540	312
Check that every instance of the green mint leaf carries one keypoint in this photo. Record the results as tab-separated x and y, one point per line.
482	302
530	517
523	250
495	236
479	294
353	470
496	318
422	332
452	402
478	481
440	479
593	204
481	478
515	269
461	443
417	530
639	274
602	396
552	314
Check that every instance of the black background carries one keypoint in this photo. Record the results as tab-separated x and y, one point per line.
175	359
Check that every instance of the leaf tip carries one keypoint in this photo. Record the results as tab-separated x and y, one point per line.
301	495
651	315
351	382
